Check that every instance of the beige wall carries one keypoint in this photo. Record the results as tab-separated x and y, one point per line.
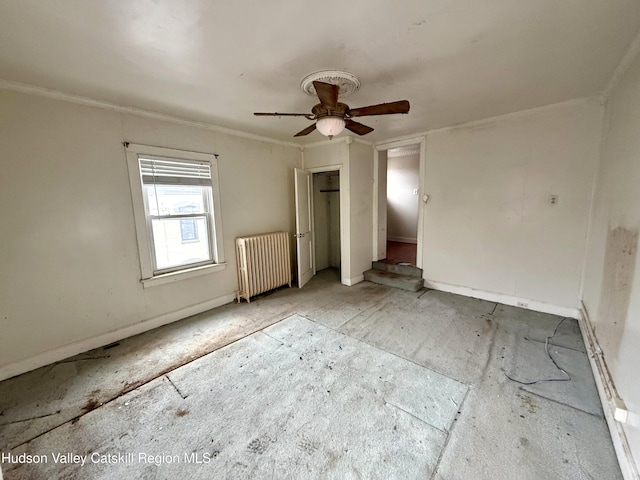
488	225
70	267
612	274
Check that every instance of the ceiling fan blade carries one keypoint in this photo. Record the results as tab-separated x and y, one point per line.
276	114
327	93
306	131
401	106
356	127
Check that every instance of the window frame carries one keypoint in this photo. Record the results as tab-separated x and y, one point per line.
144	232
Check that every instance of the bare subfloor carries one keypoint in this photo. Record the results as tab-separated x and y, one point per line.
324	382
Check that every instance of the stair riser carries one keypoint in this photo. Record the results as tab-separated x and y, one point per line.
401	269
411	284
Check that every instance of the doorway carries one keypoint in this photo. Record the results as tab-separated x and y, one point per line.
326	221
403	185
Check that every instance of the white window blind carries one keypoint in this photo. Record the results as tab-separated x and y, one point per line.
174	172
176	198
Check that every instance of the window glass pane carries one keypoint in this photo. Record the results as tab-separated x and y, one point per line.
175	199
188	230
177	244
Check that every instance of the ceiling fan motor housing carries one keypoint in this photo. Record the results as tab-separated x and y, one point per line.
321	110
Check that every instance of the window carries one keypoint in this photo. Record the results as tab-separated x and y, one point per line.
176	202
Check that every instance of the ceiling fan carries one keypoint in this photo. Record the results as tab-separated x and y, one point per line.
332	117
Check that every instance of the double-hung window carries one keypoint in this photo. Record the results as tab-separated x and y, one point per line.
176	207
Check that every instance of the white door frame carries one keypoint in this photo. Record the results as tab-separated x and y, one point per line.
345	259
422	141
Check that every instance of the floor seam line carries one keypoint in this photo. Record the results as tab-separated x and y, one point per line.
359	313
272	337
555	345
390	353
449	434
561	403
161	374
29	419
416	417
166	375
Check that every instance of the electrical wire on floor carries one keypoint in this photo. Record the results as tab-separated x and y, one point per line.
566	378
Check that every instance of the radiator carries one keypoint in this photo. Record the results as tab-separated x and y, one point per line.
264	263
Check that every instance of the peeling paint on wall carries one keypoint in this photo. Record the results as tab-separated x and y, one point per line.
617	283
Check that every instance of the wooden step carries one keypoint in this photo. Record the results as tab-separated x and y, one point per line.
392	279
402	269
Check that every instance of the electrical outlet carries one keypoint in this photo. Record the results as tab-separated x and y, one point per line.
553	199
523	304
620	412
415	191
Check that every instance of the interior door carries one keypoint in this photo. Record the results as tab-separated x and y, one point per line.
303	226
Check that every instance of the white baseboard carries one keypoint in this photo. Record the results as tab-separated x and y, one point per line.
69	350
402	239
352	281
605	386
505	299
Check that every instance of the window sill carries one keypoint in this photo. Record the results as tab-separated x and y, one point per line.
181	275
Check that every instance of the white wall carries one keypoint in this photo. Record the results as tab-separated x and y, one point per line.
356	205
488	225
328	156
403	177
361	208
70	267
381	199
334	221
612	274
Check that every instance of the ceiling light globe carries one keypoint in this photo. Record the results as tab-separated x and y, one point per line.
330	126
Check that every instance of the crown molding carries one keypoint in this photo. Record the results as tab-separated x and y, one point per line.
90	102
406	141
320	143
621	69
77	99
390	143
363	142
348	139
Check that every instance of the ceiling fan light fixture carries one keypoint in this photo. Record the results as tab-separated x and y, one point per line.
330	126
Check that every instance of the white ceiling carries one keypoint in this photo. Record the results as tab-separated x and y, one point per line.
218	62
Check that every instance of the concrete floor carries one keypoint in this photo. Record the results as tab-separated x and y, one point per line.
324	382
